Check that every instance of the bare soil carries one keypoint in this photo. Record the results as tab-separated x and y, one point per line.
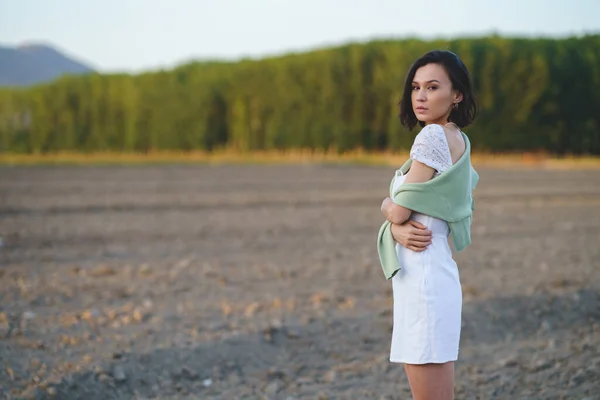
263	282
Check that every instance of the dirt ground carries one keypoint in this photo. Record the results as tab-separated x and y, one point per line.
263	282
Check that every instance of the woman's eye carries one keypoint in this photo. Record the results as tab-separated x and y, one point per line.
433	87
415	88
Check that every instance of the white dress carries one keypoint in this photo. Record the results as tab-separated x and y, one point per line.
427	291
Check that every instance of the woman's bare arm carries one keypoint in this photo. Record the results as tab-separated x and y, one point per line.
395	213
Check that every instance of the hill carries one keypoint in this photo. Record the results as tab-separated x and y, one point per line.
34	63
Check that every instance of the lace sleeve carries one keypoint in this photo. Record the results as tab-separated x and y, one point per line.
431	148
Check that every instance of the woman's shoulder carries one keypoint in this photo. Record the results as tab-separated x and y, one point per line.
432	133
429	132
431	148
433	128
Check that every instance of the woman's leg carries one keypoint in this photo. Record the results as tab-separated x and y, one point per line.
431	381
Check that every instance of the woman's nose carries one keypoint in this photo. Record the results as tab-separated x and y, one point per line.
421	95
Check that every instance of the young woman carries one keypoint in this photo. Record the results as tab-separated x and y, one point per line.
427	292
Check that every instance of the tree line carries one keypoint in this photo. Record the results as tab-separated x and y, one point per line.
534	95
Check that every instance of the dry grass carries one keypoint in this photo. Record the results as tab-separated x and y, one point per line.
295	156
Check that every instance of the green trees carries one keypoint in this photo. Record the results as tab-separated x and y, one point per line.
534	94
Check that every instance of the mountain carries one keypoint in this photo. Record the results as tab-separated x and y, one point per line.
35	63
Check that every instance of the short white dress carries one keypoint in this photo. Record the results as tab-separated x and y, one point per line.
427	292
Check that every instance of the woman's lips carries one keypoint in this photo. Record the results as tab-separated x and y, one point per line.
421	109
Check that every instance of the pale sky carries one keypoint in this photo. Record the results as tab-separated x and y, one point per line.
136	35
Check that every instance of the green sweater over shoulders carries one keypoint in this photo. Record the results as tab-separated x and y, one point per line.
448	196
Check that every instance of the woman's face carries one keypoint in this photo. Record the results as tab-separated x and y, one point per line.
432	94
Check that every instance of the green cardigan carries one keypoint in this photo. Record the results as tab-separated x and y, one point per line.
448	196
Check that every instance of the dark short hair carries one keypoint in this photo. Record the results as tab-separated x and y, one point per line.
466	111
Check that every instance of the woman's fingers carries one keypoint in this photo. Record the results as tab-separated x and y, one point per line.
416	224
421	232
420	239
417	249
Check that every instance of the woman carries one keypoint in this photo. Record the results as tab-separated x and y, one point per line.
427	292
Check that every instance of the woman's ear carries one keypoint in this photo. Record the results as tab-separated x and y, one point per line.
458	97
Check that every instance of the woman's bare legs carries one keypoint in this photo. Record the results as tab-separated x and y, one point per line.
431	381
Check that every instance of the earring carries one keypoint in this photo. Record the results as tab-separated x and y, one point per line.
455	106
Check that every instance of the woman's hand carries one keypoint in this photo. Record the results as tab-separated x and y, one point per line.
412	235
